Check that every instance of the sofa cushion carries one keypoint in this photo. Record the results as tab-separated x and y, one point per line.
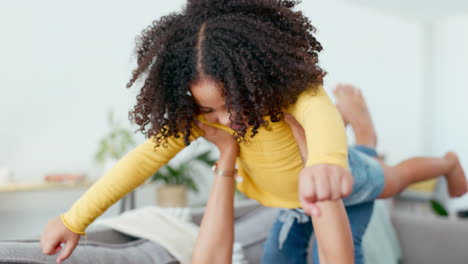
431	240
138	251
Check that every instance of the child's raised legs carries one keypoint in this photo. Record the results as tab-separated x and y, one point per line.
354	111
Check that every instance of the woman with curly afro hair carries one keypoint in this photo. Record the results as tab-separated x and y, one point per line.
244	75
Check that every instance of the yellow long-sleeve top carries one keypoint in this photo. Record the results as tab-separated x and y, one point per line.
269	163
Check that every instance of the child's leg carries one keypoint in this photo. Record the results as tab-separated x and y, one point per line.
418	169
354	111
288	240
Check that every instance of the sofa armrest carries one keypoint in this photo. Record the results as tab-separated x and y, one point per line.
430	239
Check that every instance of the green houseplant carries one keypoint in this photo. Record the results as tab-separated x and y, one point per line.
438	208
178	180
116	143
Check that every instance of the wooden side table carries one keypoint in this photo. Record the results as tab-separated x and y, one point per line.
42	186
50	186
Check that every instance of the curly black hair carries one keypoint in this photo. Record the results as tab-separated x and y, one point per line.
261	51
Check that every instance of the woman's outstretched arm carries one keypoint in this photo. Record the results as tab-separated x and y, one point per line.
333	234
216	238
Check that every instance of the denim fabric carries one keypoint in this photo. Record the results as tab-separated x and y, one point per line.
294	248
288	240
366	150
367	174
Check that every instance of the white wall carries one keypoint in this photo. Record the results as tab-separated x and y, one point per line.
450	113
450	107
382	55
65	64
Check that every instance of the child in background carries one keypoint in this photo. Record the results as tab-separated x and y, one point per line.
239	66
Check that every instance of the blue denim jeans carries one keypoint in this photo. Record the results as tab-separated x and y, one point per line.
289	237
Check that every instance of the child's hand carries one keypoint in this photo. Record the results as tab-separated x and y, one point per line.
56	233
323	182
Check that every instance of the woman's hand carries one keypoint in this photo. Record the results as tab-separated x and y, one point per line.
55	234
225	142
216	237
323	182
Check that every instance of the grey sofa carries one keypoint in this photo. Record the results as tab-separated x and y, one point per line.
424	240
103	245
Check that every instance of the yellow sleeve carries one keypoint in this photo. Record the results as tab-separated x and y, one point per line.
130	172
324	128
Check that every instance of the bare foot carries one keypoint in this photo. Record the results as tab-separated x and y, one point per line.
456	180
354	111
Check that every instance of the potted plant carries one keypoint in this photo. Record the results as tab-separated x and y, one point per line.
116	143
438	208
178	180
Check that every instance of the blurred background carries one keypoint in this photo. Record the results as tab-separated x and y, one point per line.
64	66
